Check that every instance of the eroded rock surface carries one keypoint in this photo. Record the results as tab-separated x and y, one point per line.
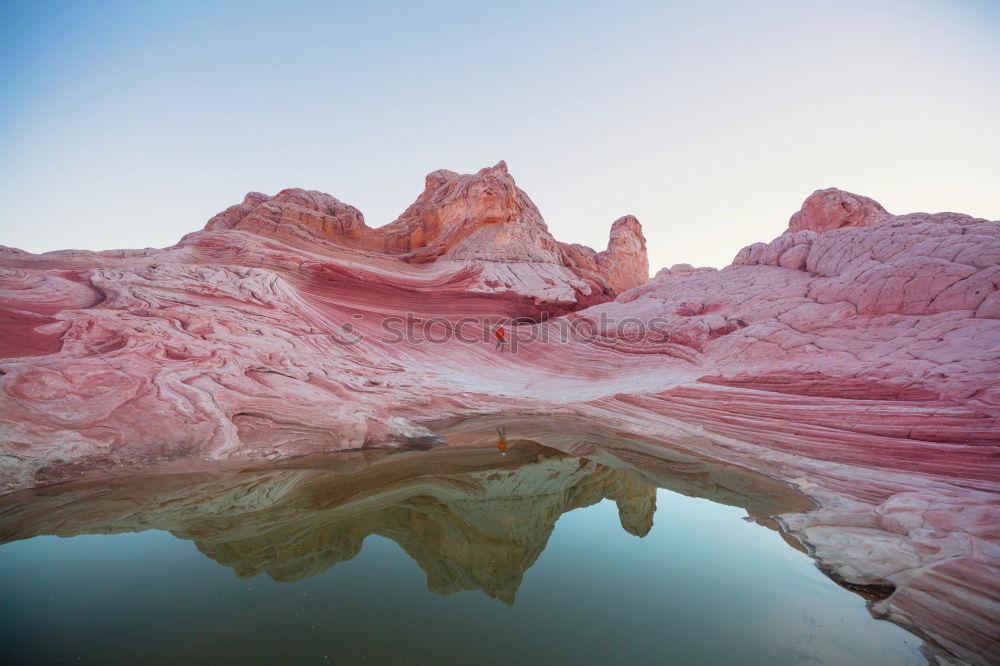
832	209
856	356
482	220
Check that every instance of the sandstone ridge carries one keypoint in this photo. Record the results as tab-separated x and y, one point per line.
481	218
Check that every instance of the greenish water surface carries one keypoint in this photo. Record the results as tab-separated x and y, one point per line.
537	557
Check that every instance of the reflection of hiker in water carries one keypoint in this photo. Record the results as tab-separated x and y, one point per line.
501	337
502	440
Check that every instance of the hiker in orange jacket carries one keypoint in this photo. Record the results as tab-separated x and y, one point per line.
501	337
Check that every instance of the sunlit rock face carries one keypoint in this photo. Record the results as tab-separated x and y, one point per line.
480	220
856	356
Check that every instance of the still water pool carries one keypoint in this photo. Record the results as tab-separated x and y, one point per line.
443	557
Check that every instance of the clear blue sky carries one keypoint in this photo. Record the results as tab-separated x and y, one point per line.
129	124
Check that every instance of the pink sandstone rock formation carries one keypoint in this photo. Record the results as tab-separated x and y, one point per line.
855	357
832	209
481	220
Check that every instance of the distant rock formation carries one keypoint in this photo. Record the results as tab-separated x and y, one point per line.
832	209
482	219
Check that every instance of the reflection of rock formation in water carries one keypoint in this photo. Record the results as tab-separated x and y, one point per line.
489	538
470	519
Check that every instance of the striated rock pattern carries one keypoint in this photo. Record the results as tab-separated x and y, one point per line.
482	220
855	357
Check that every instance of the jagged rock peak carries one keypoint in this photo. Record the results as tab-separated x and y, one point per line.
626	237
483	216
625	259
454	215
